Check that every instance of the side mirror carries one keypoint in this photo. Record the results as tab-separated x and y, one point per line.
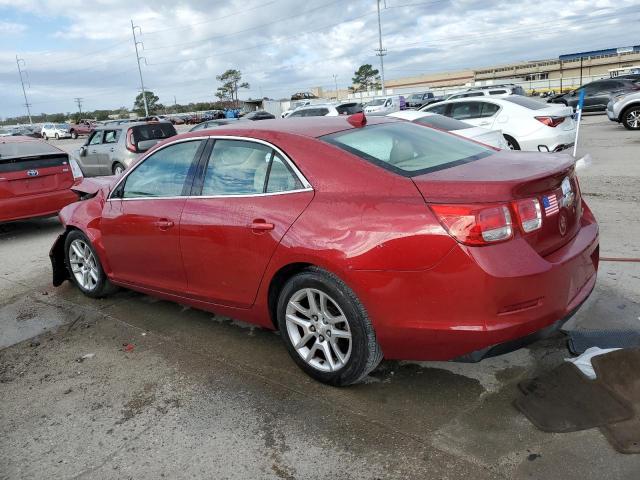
83	151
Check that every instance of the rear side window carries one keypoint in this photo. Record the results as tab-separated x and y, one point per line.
406	148
153	131
466	110
442	123
488	109
497	92
526	102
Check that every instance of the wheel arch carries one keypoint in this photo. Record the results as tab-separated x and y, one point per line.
623	112
278	281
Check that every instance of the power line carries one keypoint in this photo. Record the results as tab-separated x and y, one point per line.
135	44
24	91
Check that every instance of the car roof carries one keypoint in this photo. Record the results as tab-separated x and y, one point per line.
20	146
313	127
126	125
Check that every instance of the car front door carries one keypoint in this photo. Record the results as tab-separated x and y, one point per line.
140	221
90	159
248	197
109	144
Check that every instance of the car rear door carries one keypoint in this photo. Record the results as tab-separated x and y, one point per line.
140	221
248	197
91	160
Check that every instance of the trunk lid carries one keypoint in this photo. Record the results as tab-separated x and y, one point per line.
508	176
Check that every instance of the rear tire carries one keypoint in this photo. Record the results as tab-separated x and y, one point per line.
74	135
57	137
326	329
513	145
44	137
631	118
84	266
118	168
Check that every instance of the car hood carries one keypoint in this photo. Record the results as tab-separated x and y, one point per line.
91	186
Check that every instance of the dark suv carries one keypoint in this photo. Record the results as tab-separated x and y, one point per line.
597	93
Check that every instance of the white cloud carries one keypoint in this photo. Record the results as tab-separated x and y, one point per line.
284	46
11	28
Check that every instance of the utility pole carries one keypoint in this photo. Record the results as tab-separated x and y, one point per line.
24	91
78	100
381	51
335	80
135	44
581	58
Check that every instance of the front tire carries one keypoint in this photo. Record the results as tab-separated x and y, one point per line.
84	266
57	137
631	118
74	135
44	137
326	329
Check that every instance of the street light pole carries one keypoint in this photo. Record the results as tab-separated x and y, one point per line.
335	80
135	44
381	51
24	91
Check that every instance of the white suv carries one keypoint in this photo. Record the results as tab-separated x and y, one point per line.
490	91
55	130
326	110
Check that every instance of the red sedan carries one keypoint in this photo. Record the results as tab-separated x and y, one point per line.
35	178
355	239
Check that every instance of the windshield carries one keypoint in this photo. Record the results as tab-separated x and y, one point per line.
406	148
415	96
375	103
62	125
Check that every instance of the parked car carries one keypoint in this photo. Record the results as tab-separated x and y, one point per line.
492	91
526	124
111	149
6	132
385	105
259	115
367	238
625	108
84	127
294	106
326	110
418	100
35	178
596	94
55	130
213	124
493	138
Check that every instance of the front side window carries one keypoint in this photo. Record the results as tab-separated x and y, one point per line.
96	138
406	148
465	110
440	108
163	173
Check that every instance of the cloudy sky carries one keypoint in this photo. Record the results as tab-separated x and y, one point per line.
84	48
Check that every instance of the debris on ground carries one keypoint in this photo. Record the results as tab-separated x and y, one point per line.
85	357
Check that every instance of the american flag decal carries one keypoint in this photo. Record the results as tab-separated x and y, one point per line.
550	203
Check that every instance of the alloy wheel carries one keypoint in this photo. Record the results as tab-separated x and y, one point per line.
633	119
118	169
83	265
318	329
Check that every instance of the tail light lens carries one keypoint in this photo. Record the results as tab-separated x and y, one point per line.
131	146
75	169
476	224
529	214
551	121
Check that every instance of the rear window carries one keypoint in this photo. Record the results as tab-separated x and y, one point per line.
442	123
349	108
153	131
526	102
406	148
16	164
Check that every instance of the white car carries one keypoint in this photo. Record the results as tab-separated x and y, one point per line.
385	105
326	110
493	138
55	130
526	124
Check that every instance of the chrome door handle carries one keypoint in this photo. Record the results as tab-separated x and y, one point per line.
163	224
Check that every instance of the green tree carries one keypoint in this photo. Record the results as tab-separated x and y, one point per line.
365	78
152	103
231	83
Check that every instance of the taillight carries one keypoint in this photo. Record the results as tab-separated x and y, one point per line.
529	214
131	146
476	224
75	169
551	121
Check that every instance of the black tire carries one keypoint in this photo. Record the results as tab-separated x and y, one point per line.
513	145
627	118
74	135
116	166
103	286
57	137
44	137
365	351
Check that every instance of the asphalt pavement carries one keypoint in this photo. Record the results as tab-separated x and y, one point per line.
134	387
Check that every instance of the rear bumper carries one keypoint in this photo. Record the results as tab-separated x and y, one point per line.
37	205
554	140
476	299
